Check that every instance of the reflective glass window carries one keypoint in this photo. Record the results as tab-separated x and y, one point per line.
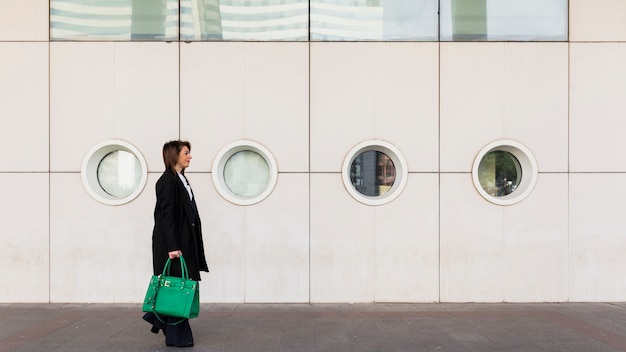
114	20
504	20
246	173
499	173
262	20
372	173
119	173
375	20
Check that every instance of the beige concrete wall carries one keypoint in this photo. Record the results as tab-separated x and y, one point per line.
309	104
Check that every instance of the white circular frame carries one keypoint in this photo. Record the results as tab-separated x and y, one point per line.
527	163
399	162
89	171
220	162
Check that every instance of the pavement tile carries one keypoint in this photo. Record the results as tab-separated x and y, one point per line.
377	327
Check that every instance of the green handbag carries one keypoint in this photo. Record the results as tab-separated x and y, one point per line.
171	295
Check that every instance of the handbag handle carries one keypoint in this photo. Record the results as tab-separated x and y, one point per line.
183	268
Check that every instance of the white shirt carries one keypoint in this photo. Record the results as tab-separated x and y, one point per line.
187	186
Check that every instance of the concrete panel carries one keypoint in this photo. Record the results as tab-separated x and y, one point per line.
536	244
492	91
24	106
406	106
24	20
212	87
112	90
597	109
472	101
342	243
597	237
600	20
492	253
98	253
342	102
277	243
277	101
407	243
363	91
232	91
472	243
82	83
536	101
146	96
24	237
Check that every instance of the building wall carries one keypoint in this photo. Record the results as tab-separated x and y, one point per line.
309	104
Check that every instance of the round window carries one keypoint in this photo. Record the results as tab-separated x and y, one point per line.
374	172
114	172
244	172
504	172
119	173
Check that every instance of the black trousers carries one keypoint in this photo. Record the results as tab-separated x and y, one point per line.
177	333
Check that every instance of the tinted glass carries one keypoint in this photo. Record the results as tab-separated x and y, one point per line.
114	20
499	173
503	20
376	20
246	174
244	20
119	173
372	173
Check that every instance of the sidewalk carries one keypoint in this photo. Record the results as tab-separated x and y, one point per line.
567	327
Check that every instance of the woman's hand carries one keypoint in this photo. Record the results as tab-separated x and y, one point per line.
175	254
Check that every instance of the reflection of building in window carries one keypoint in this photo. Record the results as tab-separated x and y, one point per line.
529	20
200	20
346	20
372	173
244	19
281	20
386	173
289	20
499	173
114	19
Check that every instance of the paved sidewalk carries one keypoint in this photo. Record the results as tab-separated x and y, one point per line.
567	327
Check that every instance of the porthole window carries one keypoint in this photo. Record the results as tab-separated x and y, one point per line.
504	172
244	172
374	172
114	172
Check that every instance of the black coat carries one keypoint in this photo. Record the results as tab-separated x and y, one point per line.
176	227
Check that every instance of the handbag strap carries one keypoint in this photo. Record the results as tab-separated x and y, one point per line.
183	268
166	323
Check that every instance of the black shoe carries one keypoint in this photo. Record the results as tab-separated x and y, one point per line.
190	344
156	324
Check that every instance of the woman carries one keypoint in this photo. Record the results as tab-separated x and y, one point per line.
177	232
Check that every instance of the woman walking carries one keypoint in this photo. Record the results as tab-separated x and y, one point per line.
177	231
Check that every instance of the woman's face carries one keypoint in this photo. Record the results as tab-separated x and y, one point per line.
184	157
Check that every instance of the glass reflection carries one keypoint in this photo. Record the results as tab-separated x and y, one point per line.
499	173
372	173
316	20
246	174
262	20
356	20
114	20
119	173
528	20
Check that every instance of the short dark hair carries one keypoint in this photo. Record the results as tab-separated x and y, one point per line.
171	150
